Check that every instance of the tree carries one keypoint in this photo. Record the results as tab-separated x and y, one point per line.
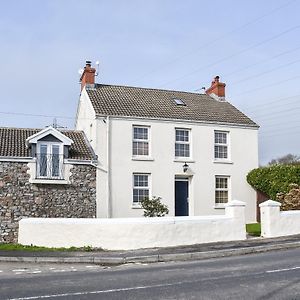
154	208
285	160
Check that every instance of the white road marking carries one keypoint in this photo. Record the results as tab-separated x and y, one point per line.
34	272
96	292
91	266
1	271
58	271
283	270
19	270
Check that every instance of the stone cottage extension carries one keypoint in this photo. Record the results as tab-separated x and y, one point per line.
44	173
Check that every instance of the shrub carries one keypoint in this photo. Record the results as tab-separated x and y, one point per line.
291	199
154	208
274	179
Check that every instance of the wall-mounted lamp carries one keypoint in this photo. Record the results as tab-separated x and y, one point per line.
185	167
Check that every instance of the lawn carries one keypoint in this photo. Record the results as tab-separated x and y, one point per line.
16	247
253	229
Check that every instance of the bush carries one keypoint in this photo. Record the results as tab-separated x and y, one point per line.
291	199
154	208
274	179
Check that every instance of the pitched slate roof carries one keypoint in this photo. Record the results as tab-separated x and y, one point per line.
13	143
128	101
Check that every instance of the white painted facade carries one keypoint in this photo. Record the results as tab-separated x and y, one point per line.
111	137
135	233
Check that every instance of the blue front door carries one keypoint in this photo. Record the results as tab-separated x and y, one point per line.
181	198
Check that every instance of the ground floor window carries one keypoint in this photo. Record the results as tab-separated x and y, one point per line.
141	187
221	190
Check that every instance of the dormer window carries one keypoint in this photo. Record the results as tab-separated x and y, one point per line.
49	148
50	160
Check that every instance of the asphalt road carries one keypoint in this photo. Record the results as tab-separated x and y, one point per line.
272	275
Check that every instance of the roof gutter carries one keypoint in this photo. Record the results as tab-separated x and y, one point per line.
16	159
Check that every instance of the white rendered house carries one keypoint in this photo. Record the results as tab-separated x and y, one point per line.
192	150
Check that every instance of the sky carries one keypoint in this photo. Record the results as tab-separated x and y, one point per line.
254	46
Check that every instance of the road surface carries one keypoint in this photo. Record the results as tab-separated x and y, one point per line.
271	275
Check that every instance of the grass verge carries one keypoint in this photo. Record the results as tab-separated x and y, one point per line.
253	229
16	247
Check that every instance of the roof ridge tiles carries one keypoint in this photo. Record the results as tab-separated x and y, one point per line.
149	88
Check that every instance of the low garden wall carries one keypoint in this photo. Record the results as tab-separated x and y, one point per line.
276	223
135	233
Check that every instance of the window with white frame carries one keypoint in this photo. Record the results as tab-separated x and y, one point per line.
221	145
221	190
182	142
49	160
141	187
140	142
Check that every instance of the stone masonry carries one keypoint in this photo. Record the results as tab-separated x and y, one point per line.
19	198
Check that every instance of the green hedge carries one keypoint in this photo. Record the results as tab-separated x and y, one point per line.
274	179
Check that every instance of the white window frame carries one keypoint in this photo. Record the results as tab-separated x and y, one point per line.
138	203
134	140
49	152
218	144
228	190
183	143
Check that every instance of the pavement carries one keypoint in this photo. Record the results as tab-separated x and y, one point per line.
153	255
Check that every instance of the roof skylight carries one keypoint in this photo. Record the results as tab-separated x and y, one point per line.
179	101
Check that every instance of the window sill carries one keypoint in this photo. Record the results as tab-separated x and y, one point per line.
219	207
141	158
136	206
183	160
49	181
228	162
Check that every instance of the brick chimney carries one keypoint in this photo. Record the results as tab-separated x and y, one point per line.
88	76
217	89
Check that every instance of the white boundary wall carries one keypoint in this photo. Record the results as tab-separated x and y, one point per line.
275	223
135	233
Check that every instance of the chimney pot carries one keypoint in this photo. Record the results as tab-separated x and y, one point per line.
217	89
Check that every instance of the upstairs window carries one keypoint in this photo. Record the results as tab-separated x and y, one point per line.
140	143
140	187
182	143
221	190
49	161
221	145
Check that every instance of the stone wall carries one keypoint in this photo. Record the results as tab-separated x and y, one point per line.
19	198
